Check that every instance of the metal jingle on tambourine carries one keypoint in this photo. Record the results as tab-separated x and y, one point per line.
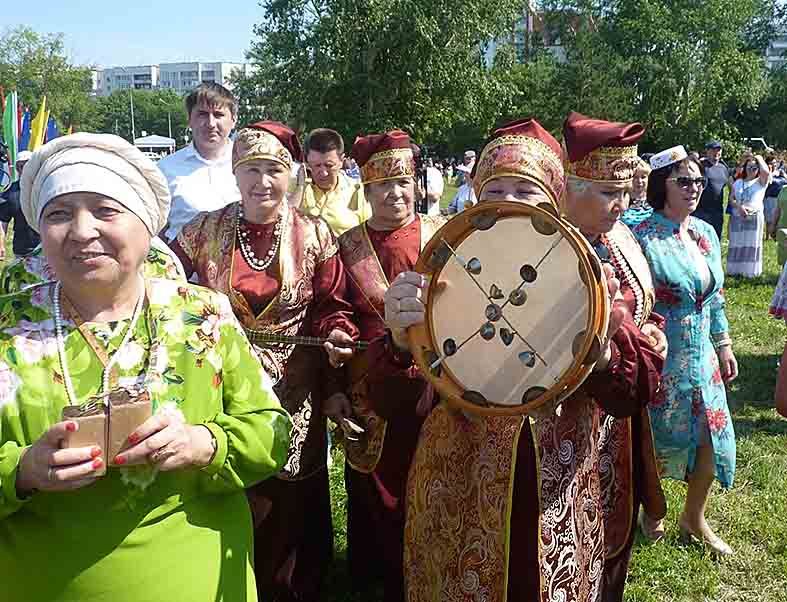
523	317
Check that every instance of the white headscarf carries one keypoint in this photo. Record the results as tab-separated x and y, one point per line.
101	163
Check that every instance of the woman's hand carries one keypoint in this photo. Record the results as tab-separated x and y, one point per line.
405	305
168	442
657	337
336	407
47	467
616	315
727	363
339	347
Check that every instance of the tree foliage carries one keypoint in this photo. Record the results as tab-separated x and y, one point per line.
368	65
689	69
151	111
35	65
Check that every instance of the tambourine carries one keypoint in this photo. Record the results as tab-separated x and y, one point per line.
516	309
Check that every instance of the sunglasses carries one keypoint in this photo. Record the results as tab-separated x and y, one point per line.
753	167
686	182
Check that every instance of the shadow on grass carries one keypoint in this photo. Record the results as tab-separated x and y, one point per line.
769	279
760	424
756	379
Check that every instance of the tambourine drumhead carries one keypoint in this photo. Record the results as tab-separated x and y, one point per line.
516	309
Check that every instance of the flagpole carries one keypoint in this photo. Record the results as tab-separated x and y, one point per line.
131	101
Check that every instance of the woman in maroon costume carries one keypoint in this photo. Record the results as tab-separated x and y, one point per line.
283	275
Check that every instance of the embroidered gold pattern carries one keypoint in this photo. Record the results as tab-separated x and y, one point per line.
251	144
606	164
389	165
524	157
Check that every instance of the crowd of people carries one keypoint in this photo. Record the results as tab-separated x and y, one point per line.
246	290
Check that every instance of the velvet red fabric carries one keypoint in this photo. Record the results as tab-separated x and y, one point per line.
286	136
366	146
583	135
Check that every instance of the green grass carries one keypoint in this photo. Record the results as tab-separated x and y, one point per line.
752	517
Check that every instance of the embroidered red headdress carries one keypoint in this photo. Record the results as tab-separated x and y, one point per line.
385	156
266	140
522	149
601	151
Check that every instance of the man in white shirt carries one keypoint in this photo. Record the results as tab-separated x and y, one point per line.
200	175
434	188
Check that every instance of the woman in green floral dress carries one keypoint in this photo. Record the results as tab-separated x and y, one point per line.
166	518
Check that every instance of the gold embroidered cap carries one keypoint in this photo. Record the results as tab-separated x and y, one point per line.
382	157
522	149
600	151
266	140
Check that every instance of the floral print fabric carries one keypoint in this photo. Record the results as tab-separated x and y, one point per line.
692	393
124	531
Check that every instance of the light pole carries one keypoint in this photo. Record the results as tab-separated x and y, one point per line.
169	116
131	101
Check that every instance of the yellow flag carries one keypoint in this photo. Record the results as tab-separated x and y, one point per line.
38	127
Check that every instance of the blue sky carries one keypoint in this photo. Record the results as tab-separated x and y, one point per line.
134	32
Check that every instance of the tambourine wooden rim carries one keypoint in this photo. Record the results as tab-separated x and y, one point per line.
440	250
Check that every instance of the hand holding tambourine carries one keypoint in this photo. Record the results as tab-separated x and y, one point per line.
405	306
508	308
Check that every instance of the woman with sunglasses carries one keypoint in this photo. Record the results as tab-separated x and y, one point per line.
692	426
747	222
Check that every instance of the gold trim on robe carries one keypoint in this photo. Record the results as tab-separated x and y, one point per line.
459	498
306	242
459	495
615	437
364	269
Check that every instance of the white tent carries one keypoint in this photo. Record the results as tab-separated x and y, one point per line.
155	142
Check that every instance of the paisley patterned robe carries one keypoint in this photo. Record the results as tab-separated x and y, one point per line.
377	464
209	242
366	289
510	508
292	514
627	461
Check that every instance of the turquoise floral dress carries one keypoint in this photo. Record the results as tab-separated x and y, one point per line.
693	393
137	534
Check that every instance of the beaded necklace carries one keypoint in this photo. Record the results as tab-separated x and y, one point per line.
255	263
61	346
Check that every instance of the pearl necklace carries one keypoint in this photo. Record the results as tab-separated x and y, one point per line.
61	345
255	263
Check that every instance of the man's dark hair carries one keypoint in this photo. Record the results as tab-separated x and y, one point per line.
323	140
213	95
657	182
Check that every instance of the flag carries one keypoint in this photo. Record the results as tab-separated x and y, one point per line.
52	131
10	133
24	131
38	127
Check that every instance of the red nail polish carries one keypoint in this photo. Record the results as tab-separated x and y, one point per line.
71	427
95	452
98	463
133	438
120	460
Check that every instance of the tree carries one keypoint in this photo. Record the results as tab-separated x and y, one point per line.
769	119
152	108
370	65
36	65
688	69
